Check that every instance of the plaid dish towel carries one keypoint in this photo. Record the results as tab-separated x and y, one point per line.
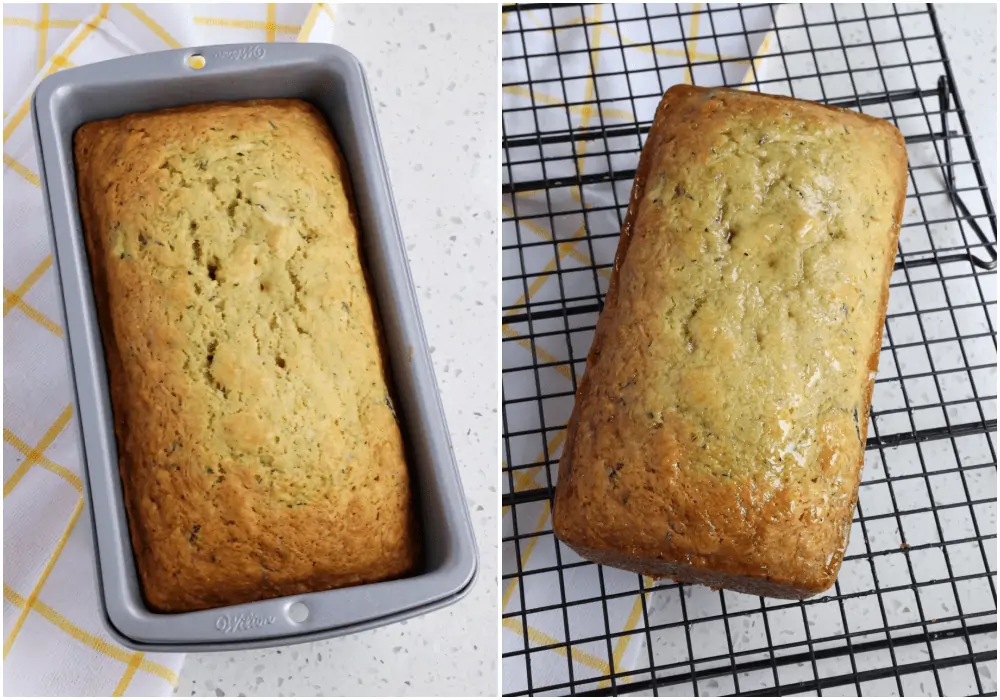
589	67
54	637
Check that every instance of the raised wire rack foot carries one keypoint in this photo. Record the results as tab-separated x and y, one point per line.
914	609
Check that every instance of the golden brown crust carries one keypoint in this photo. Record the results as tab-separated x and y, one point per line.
719	430
258	446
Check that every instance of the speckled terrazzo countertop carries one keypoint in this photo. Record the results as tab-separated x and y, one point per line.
970	37
433	73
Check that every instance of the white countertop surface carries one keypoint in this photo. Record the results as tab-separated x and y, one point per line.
970	37
433	73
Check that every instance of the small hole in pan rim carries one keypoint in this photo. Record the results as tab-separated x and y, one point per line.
196	61
298	612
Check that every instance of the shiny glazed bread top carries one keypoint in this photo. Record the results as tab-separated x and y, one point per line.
721	423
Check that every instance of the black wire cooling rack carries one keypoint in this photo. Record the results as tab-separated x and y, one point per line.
914	609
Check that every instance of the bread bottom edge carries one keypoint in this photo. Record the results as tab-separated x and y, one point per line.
685	573
176	601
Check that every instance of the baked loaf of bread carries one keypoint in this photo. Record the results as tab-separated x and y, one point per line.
257	441
719	431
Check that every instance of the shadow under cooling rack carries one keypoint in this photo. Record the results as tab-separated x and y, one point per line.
914	609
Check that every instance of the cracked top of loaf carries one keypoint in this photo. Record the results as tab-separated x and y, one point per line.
258	446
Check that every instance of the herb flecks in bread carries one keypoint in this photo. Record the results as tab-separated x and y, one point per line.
718	433
258	446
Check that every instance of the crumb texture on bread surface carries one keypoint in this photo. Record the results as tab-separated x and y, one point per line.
258	444
719	430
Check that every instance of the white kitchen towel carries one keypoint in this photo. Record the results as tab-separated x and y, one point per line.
591	67
54	638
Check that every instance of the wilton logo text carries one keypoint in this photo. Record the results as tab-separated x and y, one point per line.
239	623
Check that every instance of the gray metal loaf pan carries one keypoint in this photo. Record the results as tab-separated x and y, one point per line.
333	80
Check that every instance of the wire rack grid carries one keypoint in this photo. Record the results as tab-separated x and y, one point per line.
914	609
